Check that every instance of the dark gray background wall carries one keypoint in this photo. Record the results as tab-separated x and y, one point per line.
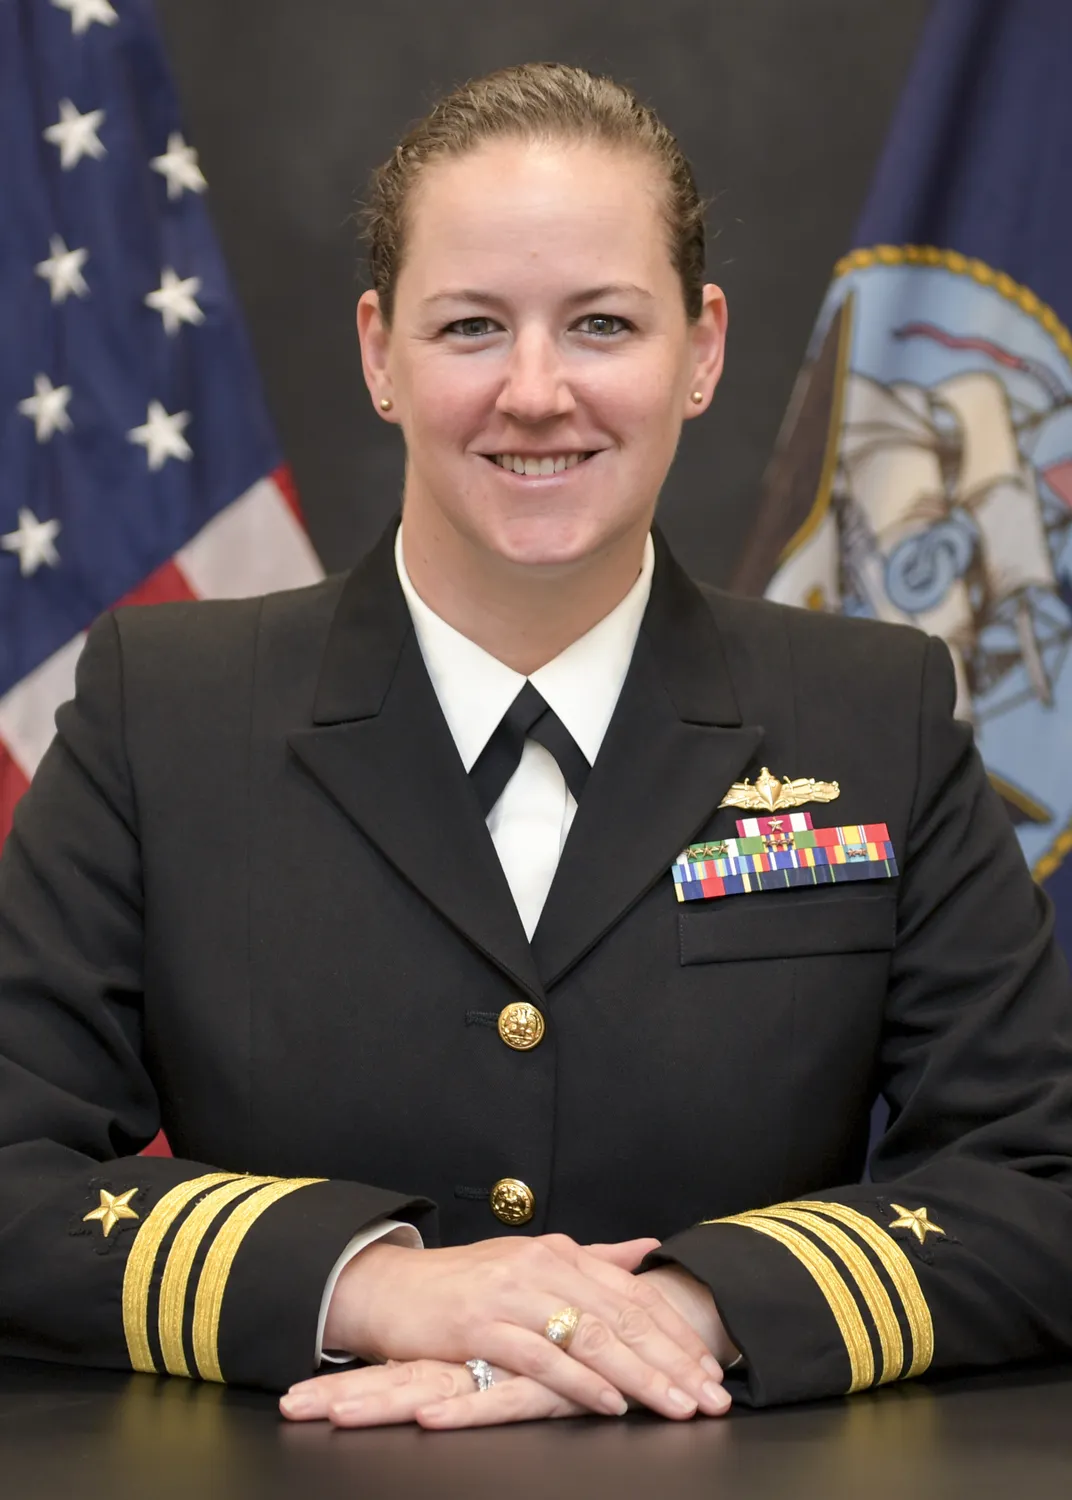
780	104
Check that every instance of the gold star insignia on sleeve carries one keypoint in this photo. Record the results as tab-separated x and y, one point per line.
915	1219
113	1207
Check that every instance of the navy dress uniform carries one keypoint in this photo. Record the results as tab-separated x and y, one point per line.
251	896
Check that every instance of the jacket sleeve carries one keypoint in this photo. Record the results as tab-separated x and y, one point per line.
958	1252
108	1257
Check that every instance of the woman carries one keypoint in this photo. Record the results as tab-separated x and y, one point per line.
371	894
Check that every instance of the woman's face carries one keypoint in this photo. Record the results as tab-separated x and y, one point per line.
539	360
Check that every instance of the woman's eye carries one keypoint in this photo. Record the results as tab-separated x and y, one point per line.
602	325
471	328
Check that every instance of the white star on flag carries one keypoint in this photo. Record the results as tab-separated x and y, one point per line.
179	165
75	134
63	270
34	541
174	300
47	407
161	435
85	12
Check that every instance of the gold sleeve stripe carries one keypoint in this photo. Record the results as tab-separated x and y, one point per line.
899	1269
142	1258
217	1268
875	1295
839	1299
180	1262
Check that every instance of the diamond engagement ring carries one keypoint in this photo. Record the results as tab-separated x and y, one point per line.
561	1328
482	1373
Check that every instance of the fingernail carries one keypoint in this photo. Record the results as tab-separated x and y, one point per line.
613	1403
714	1394
296	1405
345	1408
679	1400
432	1413
710	1365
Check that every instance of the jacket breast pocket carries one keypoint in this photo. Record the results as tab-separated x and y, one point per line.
735	929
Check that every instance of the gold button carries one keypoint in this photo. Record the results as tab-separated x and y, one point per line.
511	1201
520	1025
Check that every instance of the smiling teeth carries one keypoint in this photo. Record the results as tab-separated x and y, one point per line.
537	467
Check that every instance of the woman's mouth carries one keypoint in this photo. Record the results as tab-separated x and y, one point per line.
537	466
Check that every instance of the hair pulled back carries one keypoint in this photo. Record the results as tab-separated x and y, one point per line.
533	102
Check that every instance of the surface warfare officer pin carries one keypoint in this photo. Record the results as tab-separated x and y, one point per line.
776	853
768	794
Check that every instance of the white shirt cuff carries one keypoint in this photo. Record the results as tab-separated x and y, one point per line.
399	1234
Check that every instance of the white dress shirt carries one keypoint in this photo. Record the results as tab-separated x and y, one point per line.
530	821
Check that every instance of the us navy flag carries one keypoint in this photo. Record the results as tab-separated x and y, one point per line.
924	471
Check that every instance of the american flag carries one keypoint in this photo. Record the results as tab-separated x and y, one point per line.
137	459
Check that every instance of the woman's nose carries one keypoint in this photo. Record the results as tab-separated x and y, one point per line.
535	385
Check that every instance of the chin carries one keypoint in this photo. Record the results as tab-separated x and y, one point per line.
545	541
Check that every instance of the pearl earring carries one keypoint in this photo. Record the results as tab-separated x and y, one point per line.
697	396
386	403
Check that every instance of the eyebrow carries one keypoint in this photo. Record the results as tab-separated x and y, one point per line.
489	299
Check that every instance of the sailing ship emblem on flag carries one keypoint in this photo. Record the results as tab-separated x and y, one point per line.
946	500
923	473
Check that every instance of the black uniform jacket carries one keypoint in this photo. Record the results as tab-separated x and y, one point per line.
251	898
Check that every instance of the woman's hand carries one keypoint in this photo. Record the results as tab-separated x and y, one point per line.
436	1394
694	1302
491	1300
430	1392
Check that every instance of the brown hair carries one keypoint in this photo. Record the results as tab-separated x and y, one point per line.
535	102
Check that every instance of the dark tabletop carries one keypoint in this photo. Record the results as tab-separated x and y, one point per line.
88	1434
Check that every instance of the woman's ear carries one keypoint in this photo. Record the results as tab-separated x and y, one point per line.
708	335
374	338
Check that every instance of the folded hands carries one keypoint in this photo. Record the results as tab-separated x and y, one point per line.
654	1340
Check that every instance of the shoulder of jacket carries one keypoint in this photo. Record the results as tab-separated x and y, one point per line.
186	630
850	640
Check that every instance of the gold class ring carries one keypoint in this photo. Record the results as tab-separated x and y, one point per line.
561	1328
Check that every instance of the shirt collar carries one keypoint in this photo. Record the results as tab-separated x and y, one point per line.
581	684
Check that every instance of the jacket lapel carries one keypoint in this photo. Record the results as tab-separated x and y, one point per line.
382	750
674	746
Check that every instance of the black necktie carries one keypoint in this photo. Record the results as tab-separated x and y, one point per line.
528	718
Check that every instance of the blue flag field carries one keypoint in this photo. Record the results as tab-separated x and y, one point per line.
137	459
924	472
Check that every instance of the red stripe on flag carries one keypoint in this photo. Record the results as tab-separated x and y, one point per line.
166	586
158	1146
12	786
283	480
